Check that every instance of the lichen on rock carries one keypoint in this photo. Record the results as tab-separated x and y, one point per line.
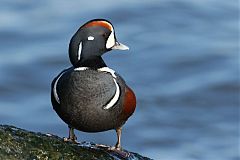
17	144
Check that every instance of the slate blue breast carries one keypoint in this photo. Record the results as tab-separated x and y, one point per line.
83	95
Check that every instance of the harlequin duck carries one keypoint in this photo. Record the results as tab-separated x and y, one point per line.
89	96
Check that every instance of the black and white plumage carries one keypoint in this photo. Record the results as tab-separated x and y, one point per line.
88	92
89	96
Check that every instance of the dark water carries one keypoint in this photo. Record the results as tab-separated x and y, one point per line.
183	64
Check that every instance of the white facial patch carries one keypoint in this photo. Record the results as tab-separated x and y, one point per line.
79	50
90	38
111	40
117	93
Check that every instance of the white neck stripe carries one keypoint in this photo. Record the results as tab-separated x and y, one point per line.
109	70
80	69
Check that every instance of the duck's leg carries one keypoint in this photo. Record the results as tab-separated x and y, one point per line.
117	149
118	144
71	137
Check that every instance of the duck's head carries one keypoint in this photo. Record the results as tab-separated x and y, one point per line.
93	39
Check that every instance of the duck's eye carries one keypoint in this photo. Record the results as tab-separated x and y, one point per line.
104	35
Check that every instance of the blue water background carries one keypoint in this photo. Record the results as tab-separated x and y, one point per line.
183	65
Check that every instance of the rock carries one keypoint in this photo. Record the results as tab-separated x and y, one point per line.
16	143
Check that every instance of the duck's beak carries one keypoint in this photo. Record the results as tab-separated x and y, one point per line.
120	46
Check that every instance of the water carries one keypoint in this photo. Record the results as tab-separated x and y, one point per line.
183	65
